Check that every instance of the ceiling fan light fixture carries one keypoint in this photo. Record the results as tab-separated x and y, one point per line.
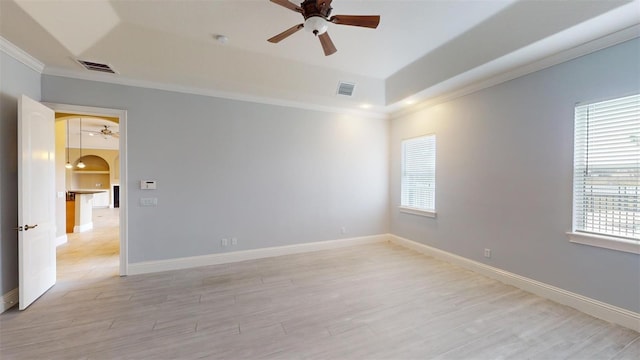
316	25
316	15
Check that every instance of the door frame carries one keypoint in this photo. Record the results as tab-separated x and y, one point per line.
122	128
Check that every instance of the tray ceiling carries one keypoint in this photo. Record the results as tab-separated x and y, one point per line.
419	45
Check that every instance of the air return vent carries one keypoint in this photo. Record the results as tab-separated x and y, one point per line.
346	89
94	66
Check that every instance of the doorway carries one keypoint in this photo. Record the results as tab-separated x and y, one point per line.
101	241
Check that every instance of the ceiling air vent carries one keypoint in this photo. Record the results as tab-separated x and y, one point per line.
94	66
346	89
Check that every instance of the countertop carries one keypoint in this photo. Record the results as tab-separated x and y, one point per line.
86	191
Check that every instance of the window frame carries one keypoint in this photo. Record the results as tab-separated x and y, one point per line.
406	208
584	236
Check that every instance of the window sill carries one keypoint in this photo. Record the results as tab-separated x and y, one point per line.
419	212
607	242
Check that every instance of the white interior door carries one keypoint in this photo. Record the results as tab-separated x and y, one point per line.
36	200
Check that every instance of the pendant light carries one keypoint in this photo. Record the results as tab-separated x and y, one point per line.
81	165
68	164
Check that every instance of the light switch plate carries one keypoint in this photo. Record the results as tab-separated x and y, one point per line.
148	201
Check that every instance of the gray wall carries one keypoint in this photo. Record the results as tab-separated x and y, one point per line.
273	176
15	79
504	173
268	175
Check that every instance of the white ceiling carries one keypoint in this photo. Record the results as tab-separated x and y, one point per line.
419	47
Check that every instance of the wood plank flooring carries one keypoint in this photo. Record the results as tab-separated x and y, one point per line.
377	301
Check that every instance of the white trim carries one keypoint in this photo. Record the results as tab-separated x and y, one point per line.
122	127
61	240
120	80
20	55
607	242
420	212
9	300
442	92
83	227
224	258
585	304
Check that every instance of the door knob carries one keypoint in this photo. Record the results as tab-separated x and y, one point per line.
27	227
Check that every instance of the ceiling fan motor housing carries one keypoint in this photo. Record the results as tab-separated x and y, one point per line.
315	19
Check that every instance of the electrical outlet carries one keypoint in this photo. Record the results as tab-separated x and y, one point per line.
224	242
487	253
234	241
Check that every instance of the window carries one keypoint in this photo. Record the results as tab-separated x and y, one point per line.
418	188
606	179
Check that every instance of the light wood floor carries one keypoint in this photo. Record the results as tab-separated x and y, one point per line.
368	302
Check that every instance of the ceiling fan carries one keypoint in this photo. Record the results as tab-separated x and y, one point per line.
316	20
106	132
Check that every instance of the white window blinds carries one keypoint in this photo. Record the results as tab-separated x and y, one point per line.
418	189
606	180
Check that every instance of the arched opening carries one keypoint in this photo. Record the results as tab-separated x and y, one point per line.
95	175
93	163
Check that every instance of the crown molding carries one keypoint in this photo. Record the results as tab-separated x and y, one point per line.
461	85
467	83
22	56
122	80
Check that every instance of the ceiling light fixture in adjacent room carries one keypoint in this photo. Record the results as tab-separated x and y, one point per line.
80	164
68	164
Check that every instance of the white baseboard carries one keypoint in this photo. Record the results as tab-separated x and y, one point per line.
9	300
61	240
579	302
224	258
83	228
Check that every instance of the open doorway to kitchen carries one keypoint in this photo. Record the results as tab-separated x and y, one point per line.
90	245
90	202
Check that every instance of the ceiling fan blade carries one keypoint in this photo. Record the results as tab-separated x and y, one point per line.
327	44
368	21
288	4
285	34
116	135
